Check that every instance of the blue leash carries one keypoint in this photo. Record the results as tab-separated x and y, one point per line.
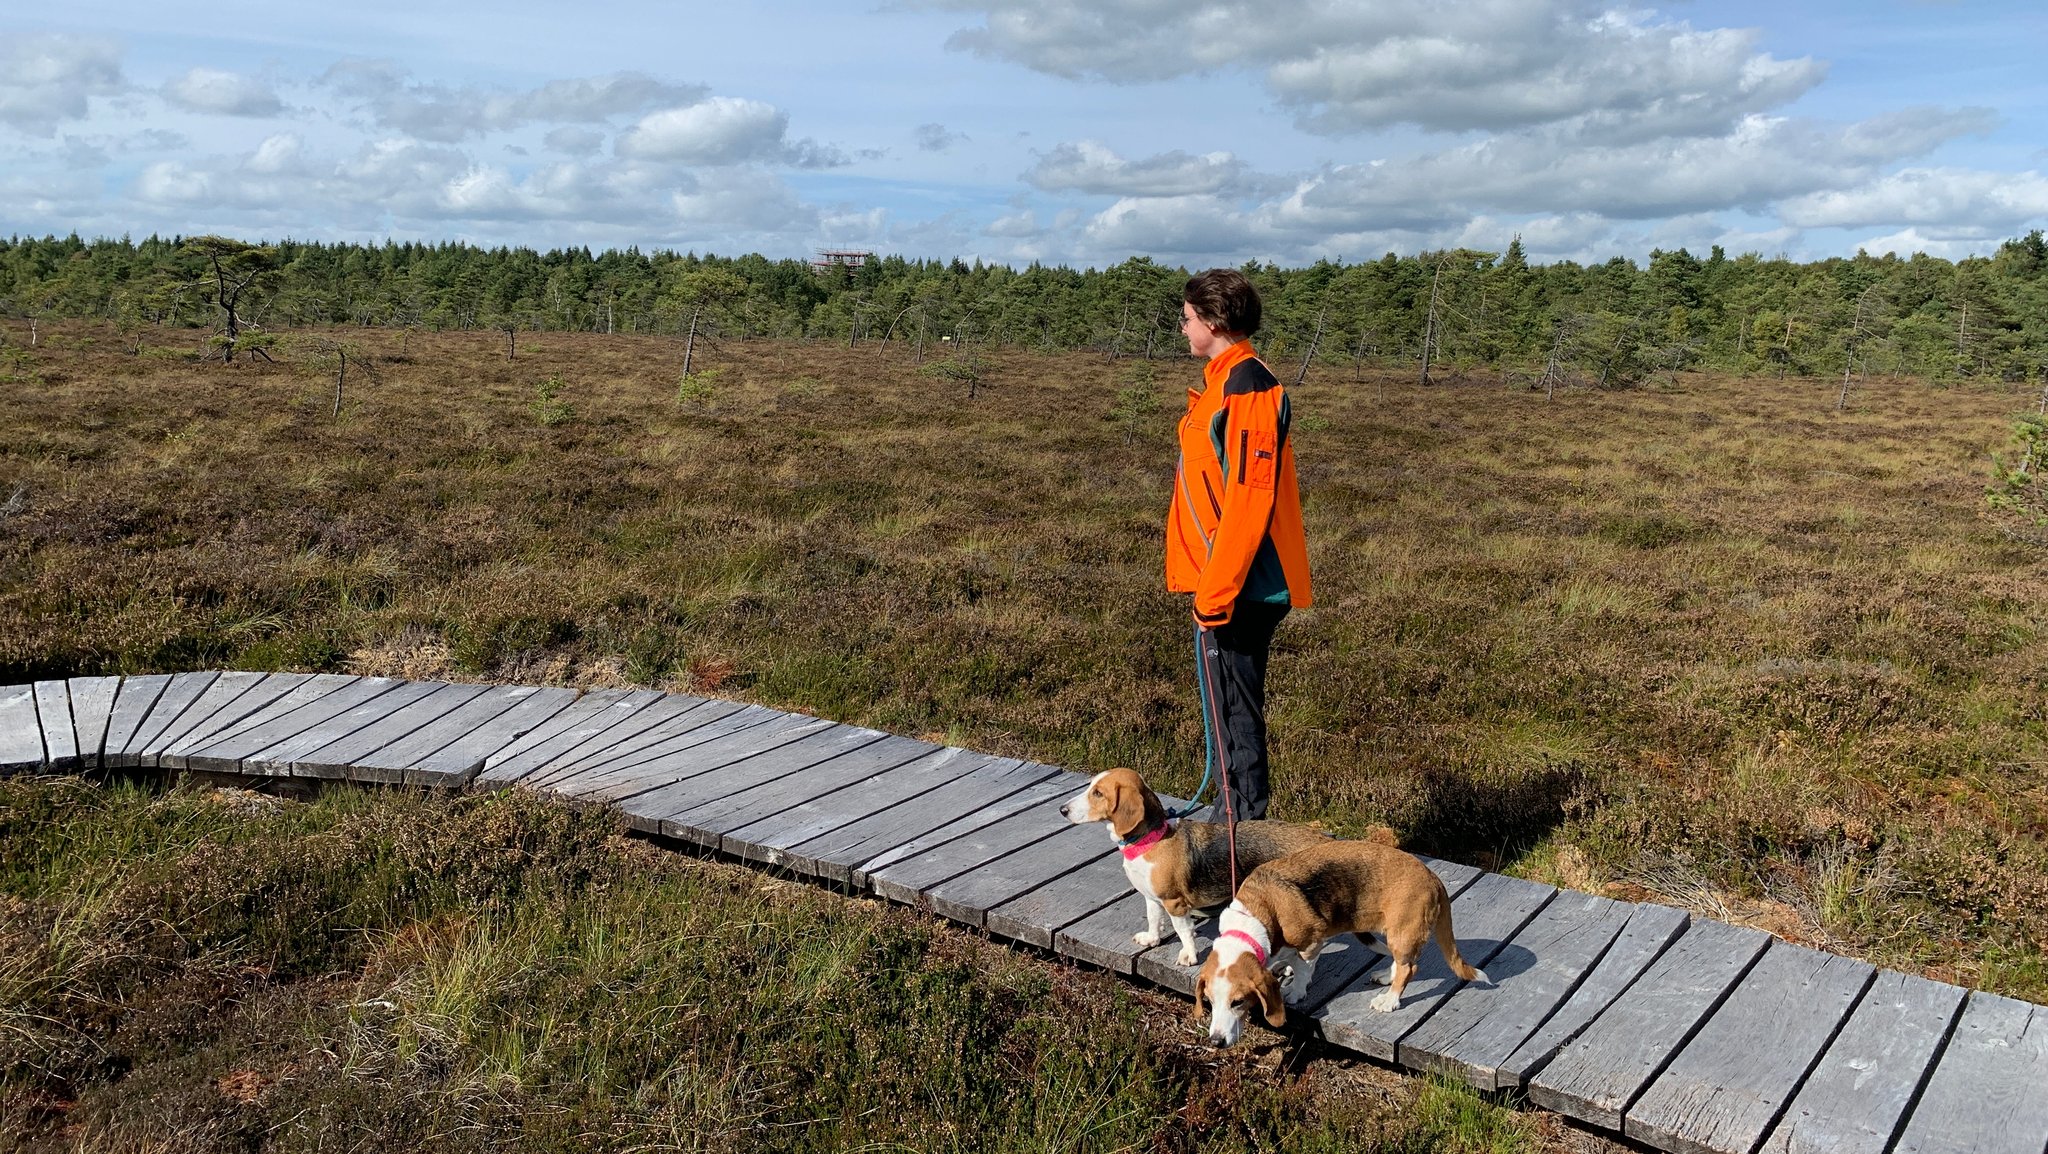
1208	735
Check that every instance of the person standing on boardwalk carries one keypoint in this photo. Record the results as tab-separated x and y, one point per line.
1234	536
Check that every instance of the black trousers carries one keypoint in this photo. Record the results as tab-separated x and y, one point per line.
1235	655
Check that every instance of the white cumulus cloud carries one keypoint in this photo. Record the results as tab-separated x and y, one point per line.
47	79
222	93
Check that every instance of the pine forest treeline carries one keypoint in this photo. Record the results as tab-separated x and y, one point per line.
1438	312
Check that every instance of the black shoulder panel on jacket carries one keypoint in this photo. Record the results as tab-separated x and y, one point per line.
1249	376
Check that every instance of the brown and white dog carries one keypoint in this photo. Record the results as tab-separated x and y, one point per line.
1178	868
1304	899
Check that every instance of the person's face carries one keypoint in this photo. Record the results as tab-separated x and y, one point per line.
1203	339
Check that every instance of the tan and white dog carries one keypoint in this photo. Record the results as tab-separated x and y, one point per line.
1303	900
1178	868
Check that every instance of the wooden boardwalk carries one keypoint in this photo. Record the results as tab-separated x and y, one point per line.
1681	1033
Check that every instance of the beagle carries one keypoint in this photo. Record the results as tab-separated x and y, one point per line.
1304	899
1177	868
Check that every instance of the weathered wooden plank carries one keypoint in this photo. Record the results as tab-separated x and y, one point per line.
448	752
132	703
680	735
60	742
669	810
714	821
912	869
21	734
173	703
338	758
968	897
1035	916
281	756
258	706
682	752
1856	1098
1485	915
1721	1092
741	737
769	835
1650	930
592	714
1989	1090
673	716
1105	937
877	816
233	753
1531	976
221	695
1597	1076
92	704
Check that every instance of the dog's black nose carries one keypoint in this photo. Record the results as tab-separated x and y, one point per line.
1218	1041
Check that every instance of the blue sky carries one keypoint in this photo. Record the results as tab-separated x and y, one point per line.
1054	130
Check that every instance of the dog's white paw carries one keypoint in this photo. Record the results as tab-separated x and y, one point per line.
1145	938
1186	958
1387	1002
1380	976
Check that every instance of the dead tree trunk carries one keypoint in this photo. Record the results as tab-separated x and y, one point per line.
1315	342
690	343
1429	329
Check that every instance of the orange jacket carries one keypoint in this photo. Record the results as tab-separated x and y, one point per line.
1234	531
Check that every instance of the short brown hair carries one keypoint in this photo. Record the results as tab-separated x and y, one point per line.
1225	298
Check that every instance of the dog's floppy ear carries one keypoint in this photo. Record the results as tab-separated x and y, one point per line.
1126	803
1267	987
1202	992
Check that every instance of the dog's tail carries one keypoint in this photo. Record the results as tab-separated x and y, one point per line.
1448	942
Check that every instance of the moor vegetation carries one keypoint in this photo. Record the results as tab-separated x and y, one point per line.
1754	645
217	971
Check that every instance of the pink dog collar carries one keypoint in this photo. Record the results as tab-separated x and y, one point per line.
1258	951
1137	848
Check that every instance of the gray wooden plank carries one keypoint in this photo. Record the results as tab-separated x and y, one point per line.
235	752
177	697
740	736
92	704
281	756
60	741
1597	1075
338	758
674	715
968	897
1531	977
759	756
1104	937
448	752
589	717
1989	1090
912	871
878	815
1856	1098
1650	930
677	753
715	821
891	846
131	706
1484	916
222	694
21	734
1036	915
275	696
1724	1089
769	836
